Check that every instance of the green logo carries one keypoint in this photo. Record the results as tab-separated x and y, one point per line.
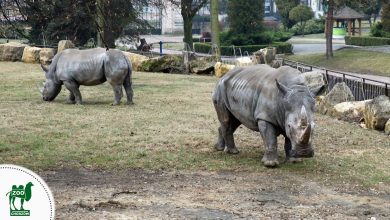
24	194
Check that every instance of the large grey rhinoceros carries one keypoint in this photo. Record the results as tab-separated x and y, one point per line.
73	67
271	101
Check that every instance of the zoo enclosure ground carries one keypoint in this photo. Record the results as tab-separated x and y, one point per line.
161	149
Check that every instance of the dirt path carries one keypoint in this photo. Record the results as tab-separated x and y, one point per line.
139	194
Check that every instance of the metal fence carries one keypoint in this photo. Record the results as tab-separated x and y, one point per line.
362	88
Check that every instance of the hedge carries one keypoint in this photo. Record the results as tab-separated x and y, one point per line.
281	47
366	41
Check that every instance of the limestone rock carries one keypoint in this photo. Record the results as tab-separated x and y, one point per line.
265	56
11	51
314	79
377	113
202	65
243	61
339	93
31	54
165	64
349	111
387	127
221	69
46	55
136	60
64	44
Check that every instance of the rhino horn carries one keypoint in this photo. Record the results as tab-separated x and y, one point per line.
305	137
44	68
303	117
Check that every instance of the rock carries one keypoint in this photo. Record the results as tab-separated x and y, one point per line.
377	113
221	69
64	44
202	65
136	60
165	64
46	55
314	79
11	51
387	127
349	111
339	93
243	61
265	56
31	54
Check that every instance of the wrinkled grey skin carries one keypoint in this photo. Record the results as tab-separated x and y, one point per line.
272	101
73	67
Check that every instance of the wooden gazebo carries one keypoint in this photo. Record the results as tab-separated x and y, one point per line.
347	16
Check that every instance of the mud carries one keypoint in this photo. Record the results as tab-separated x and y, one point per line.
140	194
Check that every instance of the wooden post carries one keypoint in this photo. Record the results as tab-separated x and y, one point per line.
349	27
360	26
353	28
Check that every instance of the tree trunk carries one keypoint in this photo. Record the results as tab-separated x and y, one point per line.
100	23
215	30
329	30
188	31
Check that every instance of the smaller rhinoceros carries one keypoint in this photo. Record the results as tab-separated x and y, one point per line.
271	101
73	67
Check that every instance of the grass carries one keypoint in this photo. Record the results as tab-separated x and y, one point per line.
350	60
172	126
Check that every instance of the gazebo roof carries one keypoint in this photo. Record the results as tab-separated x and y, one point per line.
347	13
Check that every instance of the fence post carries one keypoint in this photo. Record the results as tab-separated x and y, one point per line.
161	43
386	90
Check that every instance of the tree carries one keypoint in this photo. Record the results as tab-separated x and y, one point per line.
245	17
215	30
386	16
301	14
284	8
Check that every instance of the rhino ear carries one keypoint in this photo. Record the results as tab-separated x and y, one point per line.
319	90
44	68
282	88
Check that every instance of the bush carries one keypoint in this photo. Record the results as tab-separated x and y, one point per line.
281	47
229	38
367	41
378	31
313	26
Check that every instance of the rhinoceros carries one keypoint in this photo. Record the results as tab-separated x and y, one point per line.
272	101
73	67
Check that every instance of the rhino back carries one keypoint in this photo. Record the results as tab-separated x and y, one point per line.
250	93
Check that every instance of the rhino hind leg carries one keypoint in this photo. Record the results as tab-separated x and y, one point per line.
269	134
229	124
74	91
118	93
127	84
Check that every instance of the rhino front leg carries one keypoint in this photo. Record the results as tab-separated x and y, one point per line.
75	94
287	149
72	98
268	133
118	93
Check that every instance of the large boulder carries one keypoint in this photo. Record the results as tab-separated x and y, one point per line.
64	44
314	79
165	64
377	113
31	54
264	56
221	69
136	60
244	61
340	93
349	111
387	127
12	51
46	55
202	65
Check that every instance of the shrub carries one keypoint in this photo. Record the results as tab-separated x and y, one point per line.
378	31
281	47
313	26
229	38
367	41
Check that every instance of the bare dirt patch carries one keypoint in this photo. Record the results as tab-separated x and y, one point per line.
141	194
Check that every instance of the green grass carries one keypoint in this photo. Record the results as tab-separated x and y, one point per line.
350	60
172	126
